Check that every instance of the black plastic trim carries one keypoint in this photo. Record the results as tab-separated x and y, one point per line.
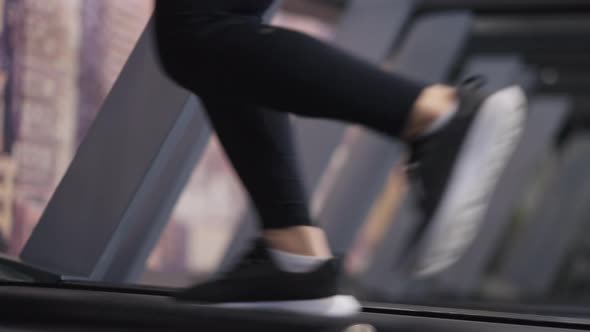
25	272
506	6
478	316
482	316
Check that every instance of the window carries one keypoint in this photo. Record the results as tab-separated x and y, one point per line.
59	60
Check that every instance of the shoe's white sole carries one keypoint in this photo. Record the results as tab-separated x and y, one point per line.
334	306
490	144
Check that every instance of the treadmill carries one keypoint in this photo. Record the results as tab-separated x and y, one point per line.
92	292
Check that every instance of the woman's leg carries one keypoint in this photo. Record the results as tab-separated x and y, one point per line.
230	55
259	144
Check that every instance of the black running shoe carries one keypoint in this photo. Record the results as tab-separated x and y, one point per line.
456	169
257	283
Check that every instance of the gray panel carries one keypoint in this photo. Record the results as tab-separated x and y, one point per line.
499	71
149	212
316	140
549	233
119	166
368	29
433	45
359	182
380	276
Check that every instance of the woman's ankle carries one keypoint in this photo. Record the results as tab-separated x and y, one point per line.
299	240
433	102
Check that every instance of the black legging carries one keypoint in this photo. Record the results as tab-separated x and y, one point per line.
250	76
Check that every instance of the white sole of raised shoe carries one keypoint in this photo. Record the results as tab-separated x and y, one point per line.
334	306
490	144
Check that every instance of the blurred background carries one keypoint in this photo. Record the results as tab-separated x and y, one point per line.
60	58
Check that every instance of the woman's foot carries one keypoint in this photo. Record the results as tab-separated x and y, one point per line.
260	282
455	170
